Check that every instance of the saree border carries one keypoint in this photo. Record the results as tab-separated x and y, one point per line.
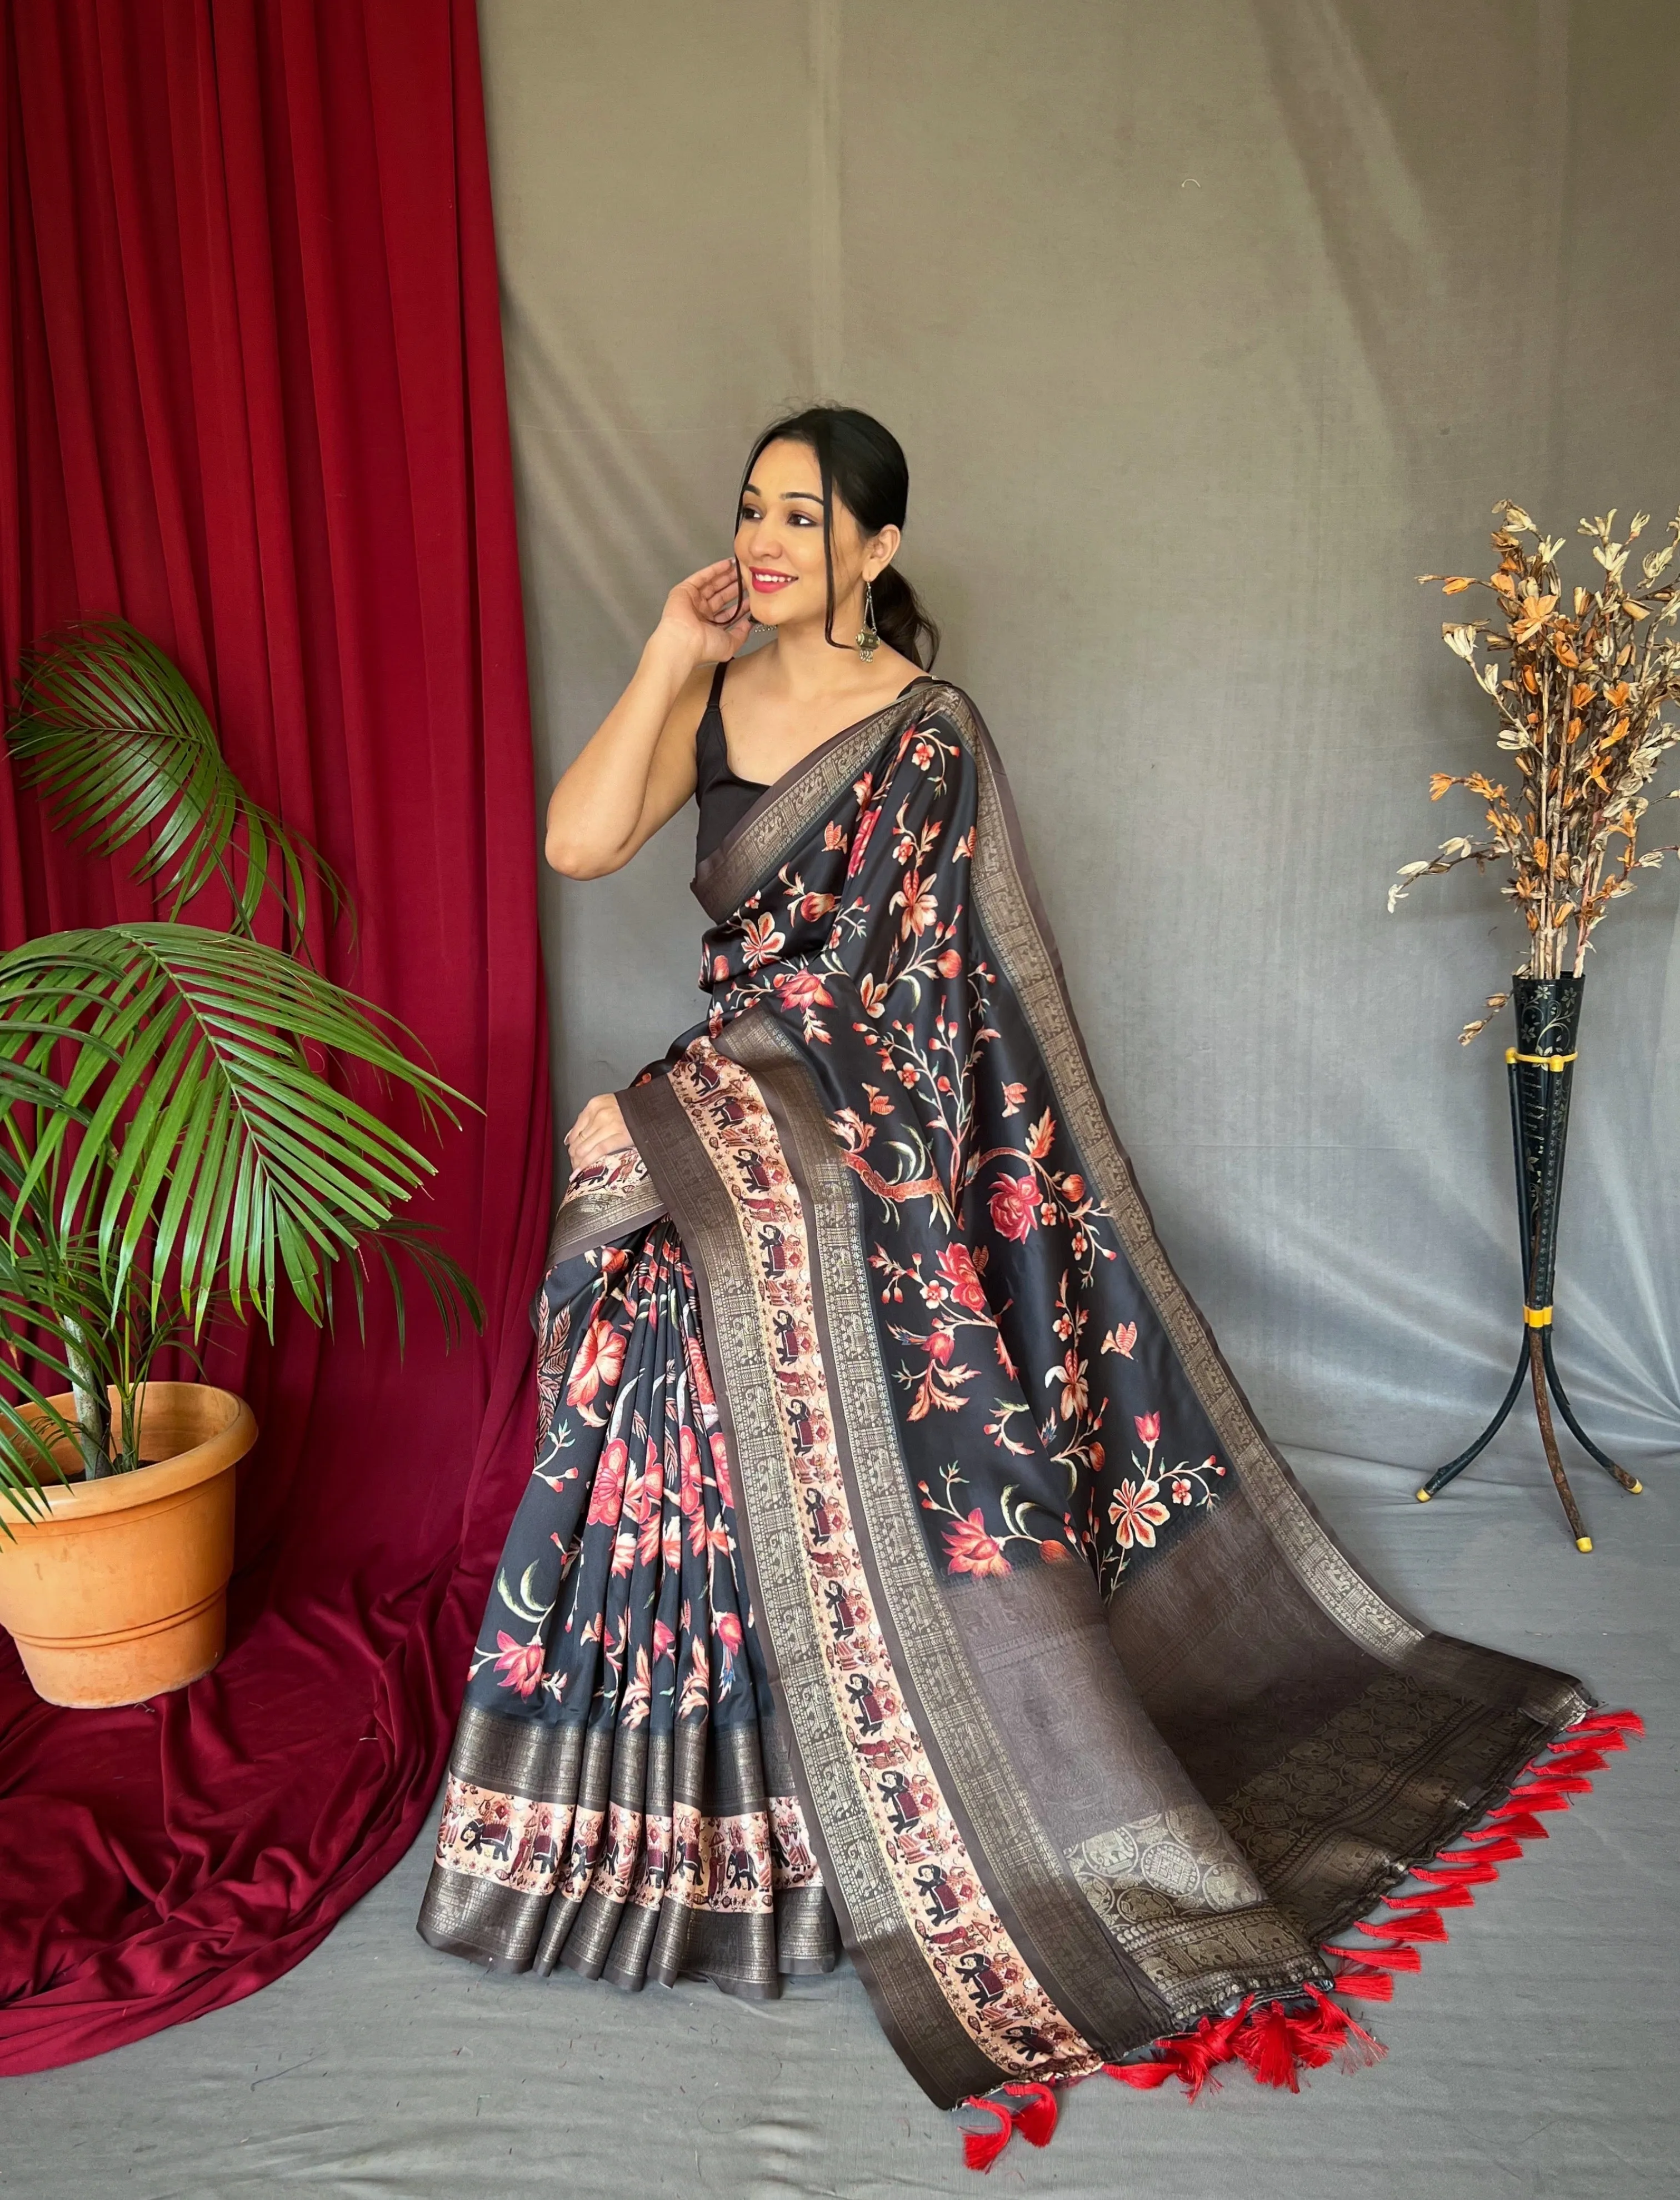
1044	1908
924	2030
596	1213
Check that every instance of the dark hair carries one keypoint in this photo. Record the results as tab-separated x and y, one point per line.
860	462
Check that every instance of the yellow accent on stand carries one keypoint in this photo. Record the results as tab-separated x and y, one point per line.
1636	1490
1423	1497
1584	1543
1537	1317
1544	1060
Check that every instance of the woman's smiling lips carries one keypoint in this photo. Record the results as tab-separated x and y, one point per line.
767	580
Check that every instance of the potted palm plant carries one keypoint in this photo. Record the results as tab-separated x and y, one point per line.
180	1139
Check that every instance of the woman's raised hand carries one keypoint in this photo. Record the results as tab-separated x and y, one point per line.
599	1130
695	607
637	769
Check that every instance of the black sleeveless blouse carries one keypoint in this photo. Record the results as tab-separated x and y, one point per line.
724	797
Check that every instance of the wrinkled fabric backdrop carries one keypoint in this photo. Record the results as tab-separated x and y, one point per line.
253	386
1205	328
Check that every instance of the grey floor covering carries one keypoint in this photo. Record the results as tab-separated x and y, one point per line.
1535	2055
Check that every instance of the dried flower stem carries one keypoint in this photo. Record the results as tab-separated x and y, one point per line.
1580	710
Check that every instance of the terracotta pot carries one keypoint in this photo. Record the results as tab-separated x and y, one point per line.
121	1592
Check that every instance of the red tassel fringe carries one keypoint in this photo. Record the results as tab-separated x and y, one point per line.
1560	1772
1356	1981
1035	2120
1278	2043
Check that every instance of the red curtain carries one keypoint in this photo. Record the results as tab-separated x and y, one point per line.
254	373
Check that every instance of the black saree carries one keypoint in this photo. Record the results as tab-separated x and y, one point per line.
901	1562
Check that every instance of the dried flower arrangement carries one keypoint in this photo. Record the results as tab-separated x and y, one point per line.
1580	696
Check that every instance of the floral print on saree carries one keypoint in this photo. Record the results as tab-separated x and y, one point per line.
897	1536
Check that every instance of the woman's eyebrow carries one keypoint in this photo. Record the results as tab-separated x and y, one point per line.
752	489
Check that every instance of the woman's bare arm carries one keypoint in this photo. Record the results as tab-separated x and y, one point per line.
637	769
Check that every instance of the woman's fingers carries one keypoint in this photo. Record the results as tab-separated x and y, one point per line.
599	1130
720	573
714	583
722	599
709	612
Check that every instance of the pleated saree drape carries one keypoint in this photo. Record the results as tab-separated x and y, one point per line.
898	1539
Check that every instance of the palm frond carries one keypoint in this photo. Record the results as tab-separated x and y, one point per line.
48	1290
112	734
208	1137
453	1289
27	1460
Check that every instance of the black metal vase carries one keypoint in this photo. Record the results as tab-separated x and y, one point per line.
1541	1071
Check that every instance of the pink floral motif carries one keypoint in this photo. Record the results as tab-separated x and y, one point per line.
520	1663
1072	1377
1014	1206
917	899
606	1498
801	988
962	1279
761	942
1148	1427
969	1549
725	1488
860	839
600	1359
1136	1513
698	1374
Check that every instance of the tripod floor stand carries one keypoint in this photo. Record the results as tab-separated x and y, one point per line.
1540	1069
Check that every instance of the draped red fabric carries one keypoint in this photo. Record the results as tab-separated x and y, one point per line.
253	371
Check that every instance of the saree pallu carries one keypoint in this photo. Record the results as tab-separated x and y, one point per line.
901	1564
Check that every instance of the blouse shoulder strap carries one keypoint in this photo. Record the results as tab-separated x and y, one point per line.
715	698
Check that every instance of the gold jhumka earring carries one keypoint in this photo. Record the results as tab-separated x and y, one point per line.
868	640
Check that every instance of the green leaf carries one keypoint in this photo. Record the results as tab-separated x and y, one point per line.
111	733
209	1140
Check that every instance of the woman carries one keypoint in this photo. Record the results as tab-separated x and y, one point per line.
901	1564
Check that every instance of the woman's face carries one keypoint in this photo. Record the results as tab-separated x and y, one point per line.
778	540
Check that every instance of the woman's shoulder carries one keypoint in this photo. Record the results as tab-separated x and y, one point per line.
942	697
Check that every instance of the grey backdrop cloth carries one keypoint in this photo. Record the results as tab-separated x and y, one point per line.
1205	328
